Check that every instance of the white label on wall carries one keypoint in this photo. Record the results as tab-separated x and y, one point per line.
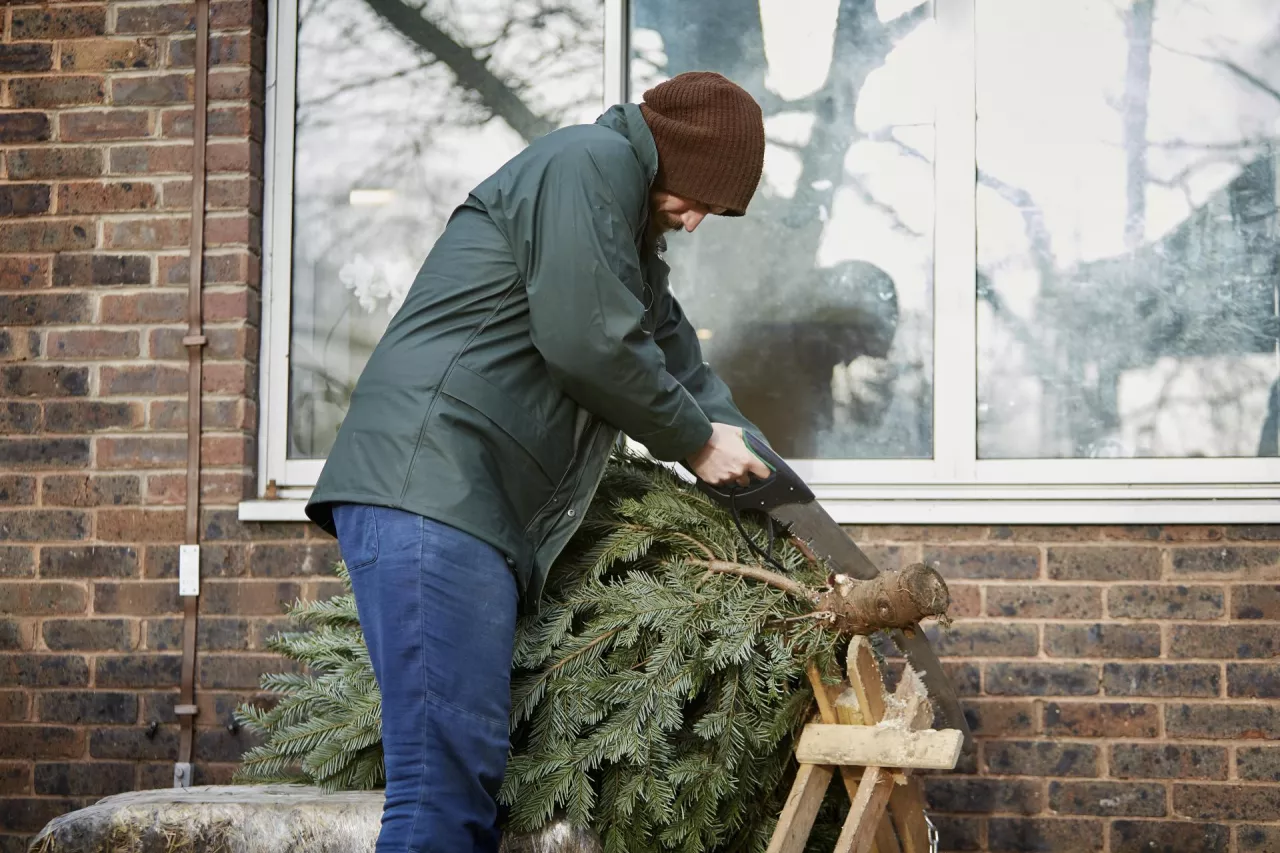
189	570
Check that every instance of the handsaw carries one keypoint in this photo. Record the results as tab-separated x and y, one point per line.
785	498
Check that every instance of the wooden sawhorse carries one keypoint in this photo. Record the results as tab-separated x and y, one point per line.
875	741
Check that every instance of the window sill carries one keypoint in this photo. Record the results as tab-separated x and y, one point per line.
1004	507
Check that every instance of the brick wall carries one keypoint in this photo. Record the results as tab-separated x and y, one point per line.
1122	681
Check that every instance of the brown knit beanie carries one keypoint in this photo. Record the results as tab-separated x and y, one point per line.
710	138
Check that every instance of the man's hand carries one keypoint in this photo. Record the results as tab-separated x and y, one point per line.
725	458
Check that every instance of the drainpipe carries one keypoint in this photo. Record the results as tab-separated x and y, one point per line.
194	341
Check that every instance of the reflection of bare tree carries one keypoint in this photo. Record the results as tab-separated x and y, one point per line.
1203	292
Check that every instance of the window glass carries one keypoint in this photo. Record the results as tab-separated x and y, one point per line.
402	108
817	307
1127	283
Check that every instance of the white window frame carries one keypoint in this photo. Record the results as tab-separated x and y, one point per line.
954	487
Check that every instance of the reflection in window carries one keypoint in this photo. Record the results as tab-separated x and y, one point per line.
402	108
816	307
1127	229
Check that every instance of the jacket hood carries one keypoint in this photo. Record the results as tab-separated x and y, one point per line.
628	121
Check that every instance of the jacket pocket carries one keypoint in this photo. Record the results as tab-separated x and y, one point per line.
552	456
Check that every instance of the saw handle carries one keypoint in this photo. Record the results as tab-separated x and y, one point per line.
783	486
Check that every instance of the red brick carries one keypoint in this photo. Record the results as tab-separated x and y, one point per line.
151	159
85	490
1044	601
1044	533
137	525
129	308
16	562
24	273
42	598
104	125
1108	798
1041	679
99	778
1221	720
985	639
62	22
141	452
16	490
170	18
239	671
23	127
38	380
110	55
1107	640
224	194
1252	839
994	561
150	380
220	121
1228	561
1224	641
136	598
57	91
98	197
234	267
223	560
27	164
1162	679
17	344
237	49
47	236
1045	835
92	416
153	90
1101	719
996	718
34	453
1153	836
34	742
966	600
1255	602
235	15
236	84
16	418
224	345
221	451
1227	802
231	306
233	230
236	378
215	414
88	635
83	270
1103	563
26	57
1165	602
40	309
92	343
151	233
1168	761
24	199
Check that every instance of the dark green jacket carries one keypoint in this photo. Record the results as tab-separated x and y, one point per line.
539	327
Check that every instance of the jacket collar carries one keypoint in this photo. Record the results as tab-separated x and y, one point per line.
627	120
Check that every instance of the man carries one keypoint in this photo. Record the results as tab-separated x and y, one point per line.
539	327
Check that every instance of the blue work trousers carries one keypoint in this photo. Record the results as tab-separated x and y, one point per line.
438	610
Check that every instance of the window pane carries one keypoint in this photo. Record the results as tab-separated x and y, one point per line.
817	307
1127	227
396	122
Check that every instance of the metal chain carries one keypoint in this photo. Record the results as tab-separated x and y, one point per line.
933	834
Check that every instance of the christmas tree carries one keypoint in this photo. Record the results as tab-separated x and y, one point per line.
657	692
